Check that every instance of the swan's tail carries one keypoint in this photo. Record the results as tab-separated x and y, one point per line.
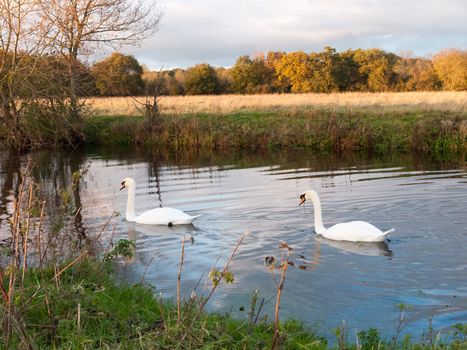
188	220
389	231
191	219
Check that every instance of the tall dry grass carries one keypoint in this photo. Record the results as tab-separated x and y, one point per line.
387	101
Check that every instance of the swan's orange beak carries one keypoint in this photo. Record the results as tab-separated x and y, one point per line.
123	185
302	199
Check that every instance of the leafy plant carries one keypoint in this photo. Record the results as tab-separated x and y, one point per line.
369	339
216	276
124	248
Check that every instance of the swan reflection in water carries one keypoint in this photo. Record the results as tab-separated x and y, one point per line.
148	234
361	248
163	231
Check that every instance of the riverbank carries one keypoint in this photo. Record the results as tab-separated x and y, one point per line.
84	307
375	131
372	123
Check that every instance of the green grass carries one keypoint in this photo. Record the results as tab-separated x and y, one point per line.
324	131
117	315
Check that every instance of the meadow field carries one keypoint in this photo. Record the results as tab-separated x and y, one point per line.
453	101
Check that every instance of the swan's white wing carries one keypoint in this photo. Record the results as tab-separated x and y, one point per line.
164	216
355	231
365	226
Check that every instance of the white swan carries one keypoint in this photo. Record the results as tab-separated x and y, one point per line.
354	231
158	216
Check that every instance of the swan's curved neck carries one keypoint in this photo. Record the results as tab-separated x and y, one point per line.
130	214
319	227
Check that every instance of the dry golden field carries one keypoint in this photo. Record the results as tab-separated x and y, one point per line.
398	101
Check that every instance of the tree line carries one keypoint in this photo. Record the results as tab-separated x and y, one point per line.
372	70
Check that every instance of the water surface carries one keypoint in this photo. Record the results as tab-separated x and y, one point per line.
423	265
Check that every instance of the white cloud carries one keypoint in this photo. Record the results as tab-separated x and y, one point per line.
219	31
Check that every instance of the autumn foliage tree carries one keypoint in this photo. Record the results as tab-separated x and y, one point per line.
347	72
202	79
225	80
294	72
375	68
169	82
415	74
251	75
118	75
324	66
451	68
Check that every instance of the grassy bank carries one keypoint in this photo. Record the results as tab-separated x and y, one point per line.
322	130
88	309
85	308
378	123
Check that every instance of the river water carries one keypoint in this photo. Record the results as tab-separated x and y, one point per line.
423	265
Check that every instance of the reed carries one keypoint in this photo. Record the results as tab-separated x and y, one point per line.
325	131
283	267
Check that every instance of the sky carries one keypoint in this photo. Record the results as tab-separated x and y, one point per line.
219	31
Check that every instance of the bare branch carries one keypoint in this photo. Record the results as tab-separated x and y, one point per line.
80	24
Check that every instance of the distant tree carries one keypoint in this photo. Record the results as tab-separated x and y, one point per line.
155	82
174	80
324	66
201	79
225	80
294	72
178	79
423	76
273	59
151	79
347	72
375	68
169	82
118	75
240	73
251	75
403	69
415	74
451	68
